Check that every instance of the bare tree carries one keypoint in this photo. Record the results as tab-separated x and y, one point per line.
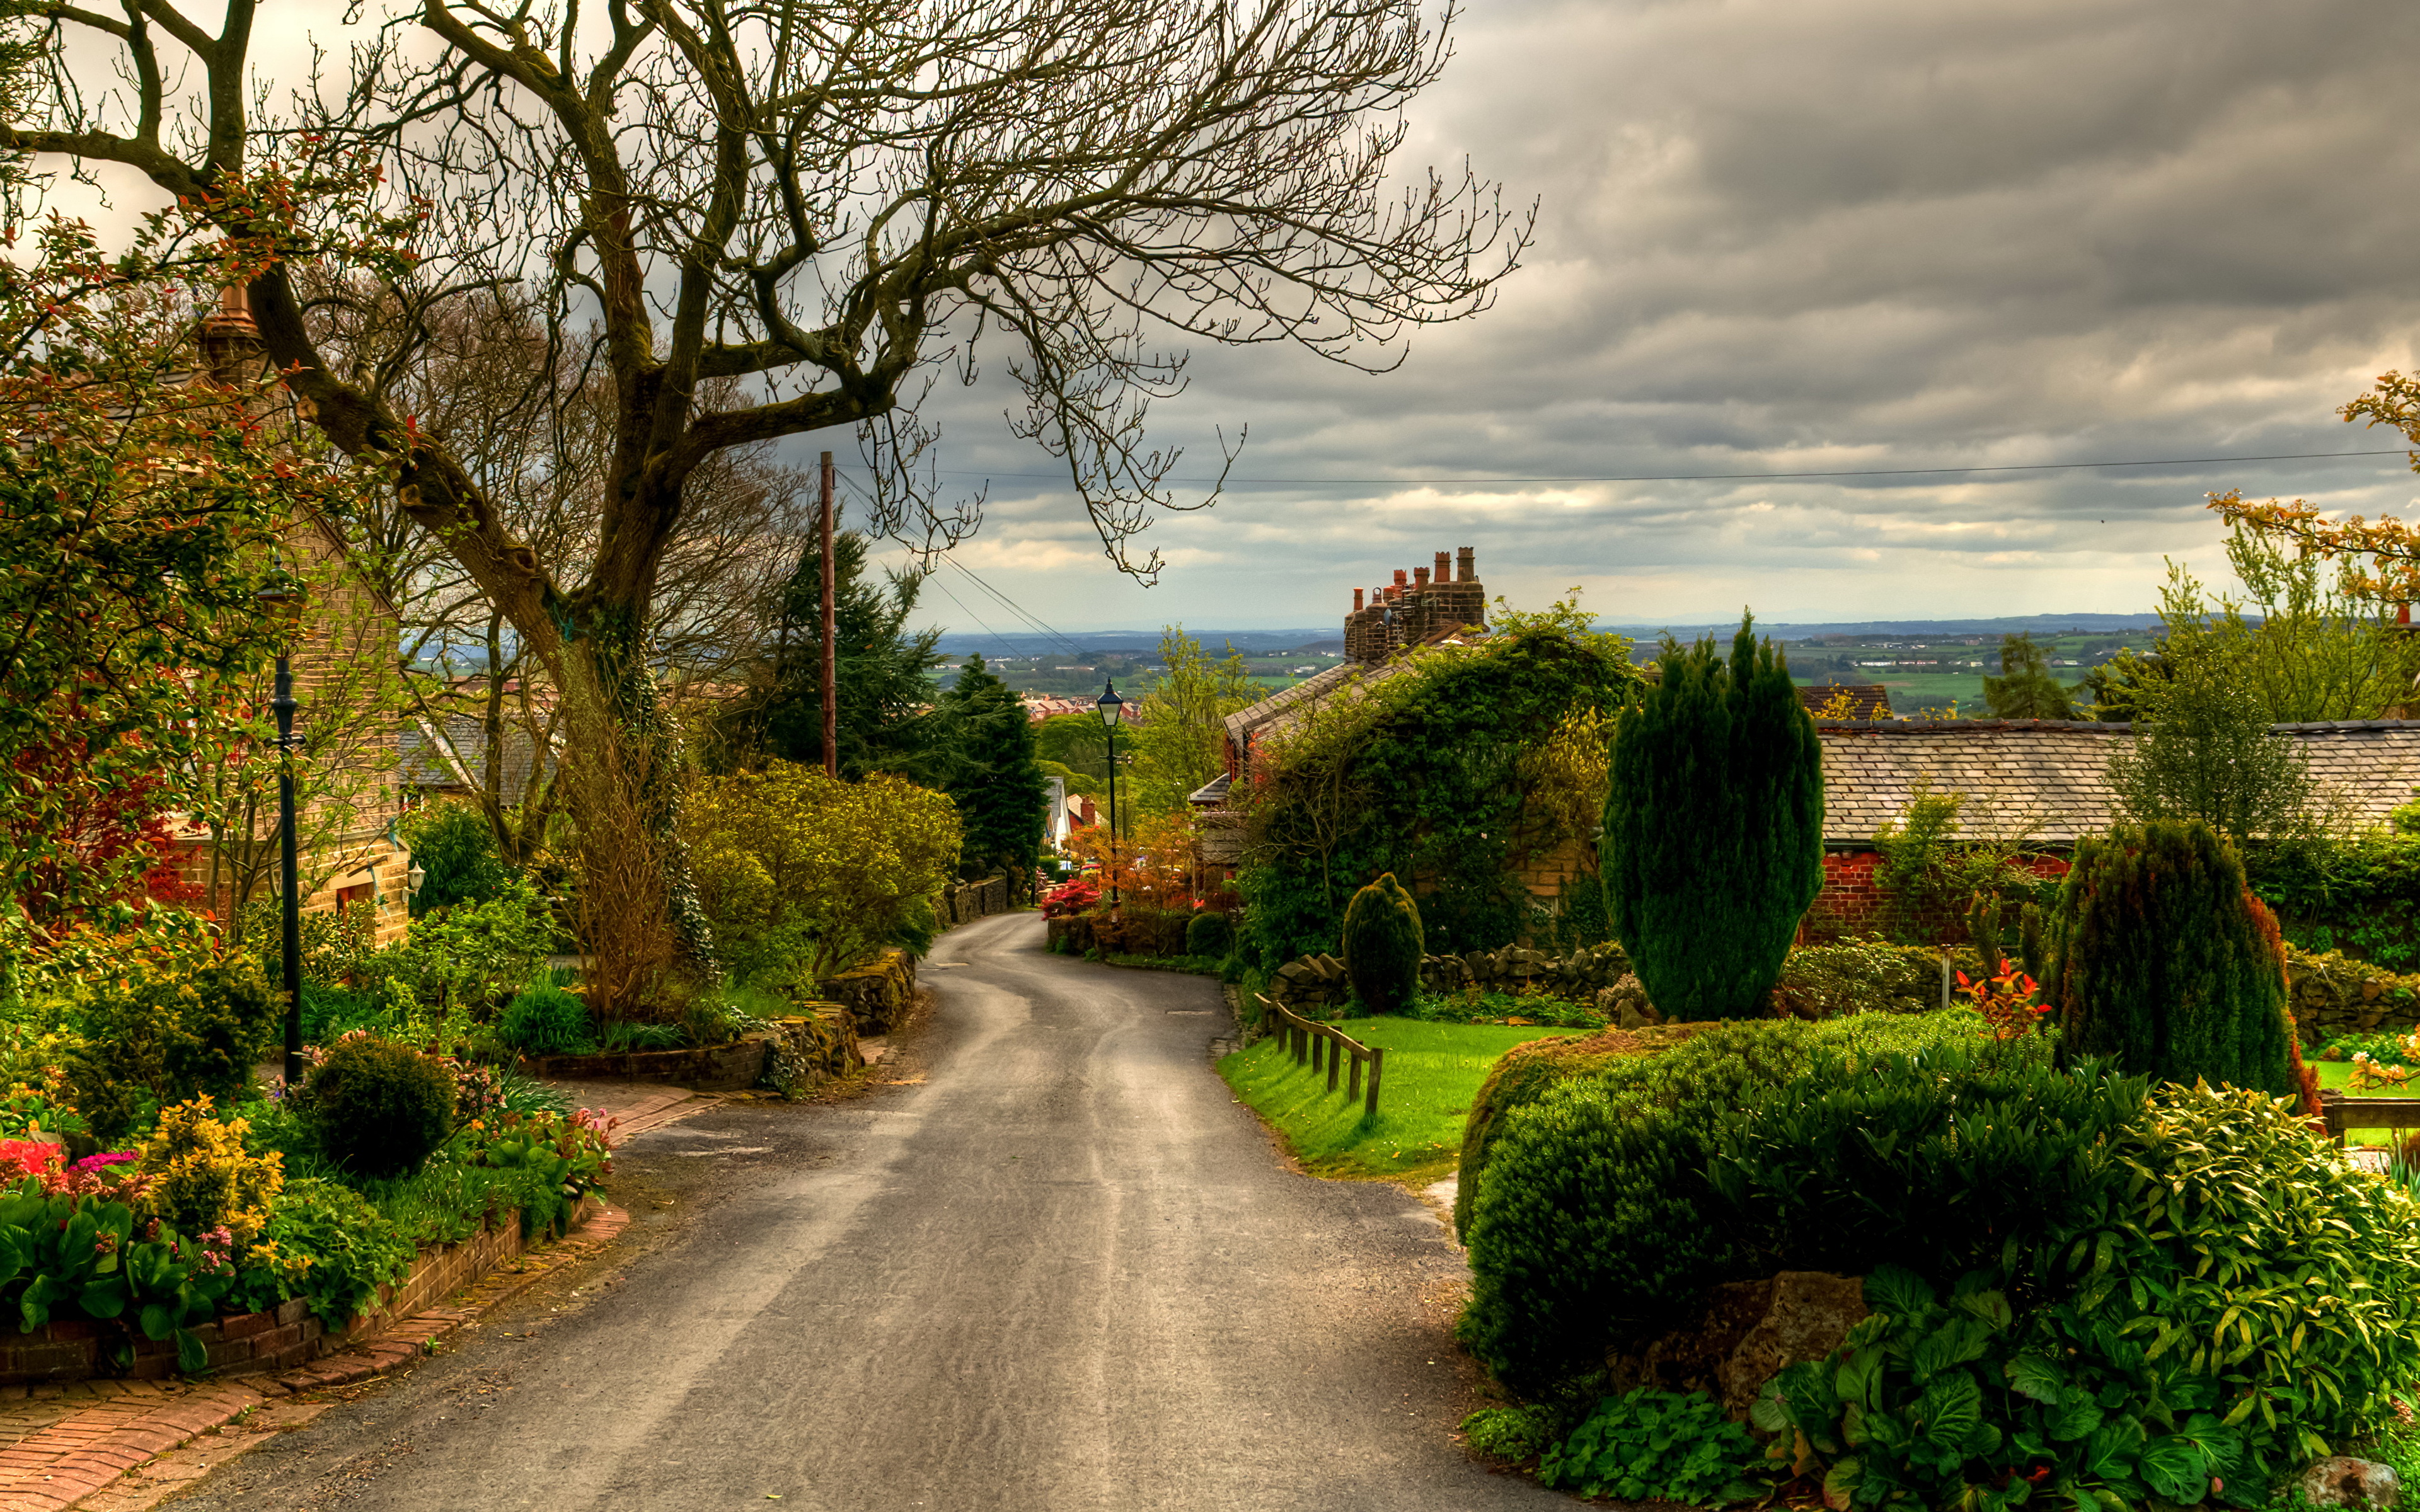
824	200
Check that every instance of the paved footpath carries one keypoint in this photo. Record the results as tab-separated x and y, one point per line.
1066	1273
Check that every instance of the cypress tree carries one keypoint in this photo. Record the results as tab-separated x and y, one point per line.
2162	958
1713	828
1383	944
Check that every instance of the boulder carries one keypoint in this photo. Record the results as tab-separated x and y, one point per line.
1749	1330
2344	1481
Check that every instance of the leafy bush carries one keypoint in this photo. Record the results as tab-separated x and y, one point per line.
204	1178
1713	829
2161	957
75	1249
1936	1158
336	945
325	1242
1595	1217
453	844
2361	896
802	876
1209	933
165	1034
1383	944
471	955
377	1108
1656	1445
1507	1432
1822	982
564	1156
548	1019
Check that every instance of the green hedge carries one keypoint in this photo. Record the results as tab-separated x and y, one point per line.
1593	1215
2361	897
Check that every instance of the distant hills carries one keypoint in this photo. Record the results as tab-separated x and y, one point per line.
1146	642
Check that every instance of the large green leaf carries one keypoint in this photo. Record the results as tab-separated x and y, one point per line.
1952	1406
156	1320
105	1298
2030	1375
2175	1469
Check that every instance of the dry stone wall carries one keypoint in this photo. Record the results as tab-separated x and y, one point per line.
1317	982
2333	995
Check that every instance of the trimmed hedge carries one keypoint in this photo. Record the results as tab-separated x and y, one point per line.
1594	1217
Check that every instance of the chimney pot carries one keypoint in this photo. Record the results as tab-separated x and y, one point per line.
1468	568
1444	567
1419	576
1356	601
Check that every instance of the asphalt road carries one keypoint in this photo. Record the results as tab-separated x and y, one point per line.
1067	1271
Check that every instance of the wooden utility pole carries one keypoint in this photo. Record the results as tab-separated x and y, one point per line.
831	661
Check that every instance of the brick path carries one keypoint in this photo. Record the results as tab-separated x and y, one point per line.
124	1445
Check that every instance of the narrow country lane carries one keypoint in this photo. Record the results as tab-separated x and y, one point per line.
1065	1273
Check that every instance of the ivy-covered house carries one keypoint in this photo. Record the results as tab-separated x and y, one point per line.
1465	757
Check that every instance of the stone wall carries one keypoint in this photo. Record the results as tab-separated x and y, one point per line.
723	1067
1318	982
877	993
968	901
2333	995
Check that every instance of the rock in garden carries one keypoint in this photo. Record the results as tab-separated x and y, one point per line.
1748	1332
2344	1481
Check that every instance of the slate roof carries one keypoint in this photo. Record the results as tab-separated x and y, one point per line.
426	765
1280	711
2045	780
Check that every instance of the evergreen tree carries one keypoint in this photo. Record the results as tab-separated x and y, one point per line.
883	671
994	775
1382	944
1713	828
2024	688
2160	956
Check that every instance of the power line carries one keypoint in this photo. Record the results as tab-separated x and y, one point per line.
1752	477
1012	605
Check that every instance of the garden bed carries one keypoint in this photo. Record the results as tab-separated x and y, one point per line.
281	1339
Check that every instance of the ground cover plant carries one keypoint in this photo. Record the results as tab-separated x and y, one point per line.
1432	1071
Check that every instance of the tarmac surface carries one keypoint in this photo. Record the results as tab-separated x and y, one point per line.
1058	1270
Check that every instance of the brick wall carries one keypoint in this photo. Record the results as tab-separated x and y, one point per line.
1853	903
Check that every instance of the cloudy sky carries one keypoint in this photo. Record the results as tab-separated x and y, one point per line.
1781	237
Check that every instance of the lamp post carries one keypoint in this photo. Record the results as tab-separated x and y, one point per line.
1111	707
286	602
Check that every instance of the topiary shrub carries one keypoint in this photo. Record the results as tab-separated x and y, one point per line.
1868	976
548	1019
376	1107
152	1036
1382	946
1209	934
2161	959
1713	828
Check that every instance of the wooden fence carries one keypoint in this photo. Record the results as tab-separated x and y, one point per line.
1305	1038
2343	1113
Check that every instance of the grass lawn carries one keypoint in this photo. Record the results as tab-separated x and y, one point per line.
1432	1071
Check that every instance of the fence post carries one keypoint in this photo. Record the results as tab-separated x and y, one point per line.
1335	1054
1377	1065
1353	1081
1944	977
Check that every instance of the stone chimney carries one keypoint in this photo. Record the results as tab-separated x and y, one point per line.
1420	580
1469	571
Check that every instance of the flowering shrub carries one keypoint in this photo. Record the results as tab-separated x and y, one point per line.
2369	1074
1071	897
570	1153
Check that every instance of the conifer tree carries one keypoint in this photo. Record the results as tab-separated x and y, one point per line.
1383	944
995	776
1713	828
2161	957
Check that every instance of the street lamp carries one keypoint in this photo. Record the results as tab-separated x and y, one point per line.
285	602
1111	707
